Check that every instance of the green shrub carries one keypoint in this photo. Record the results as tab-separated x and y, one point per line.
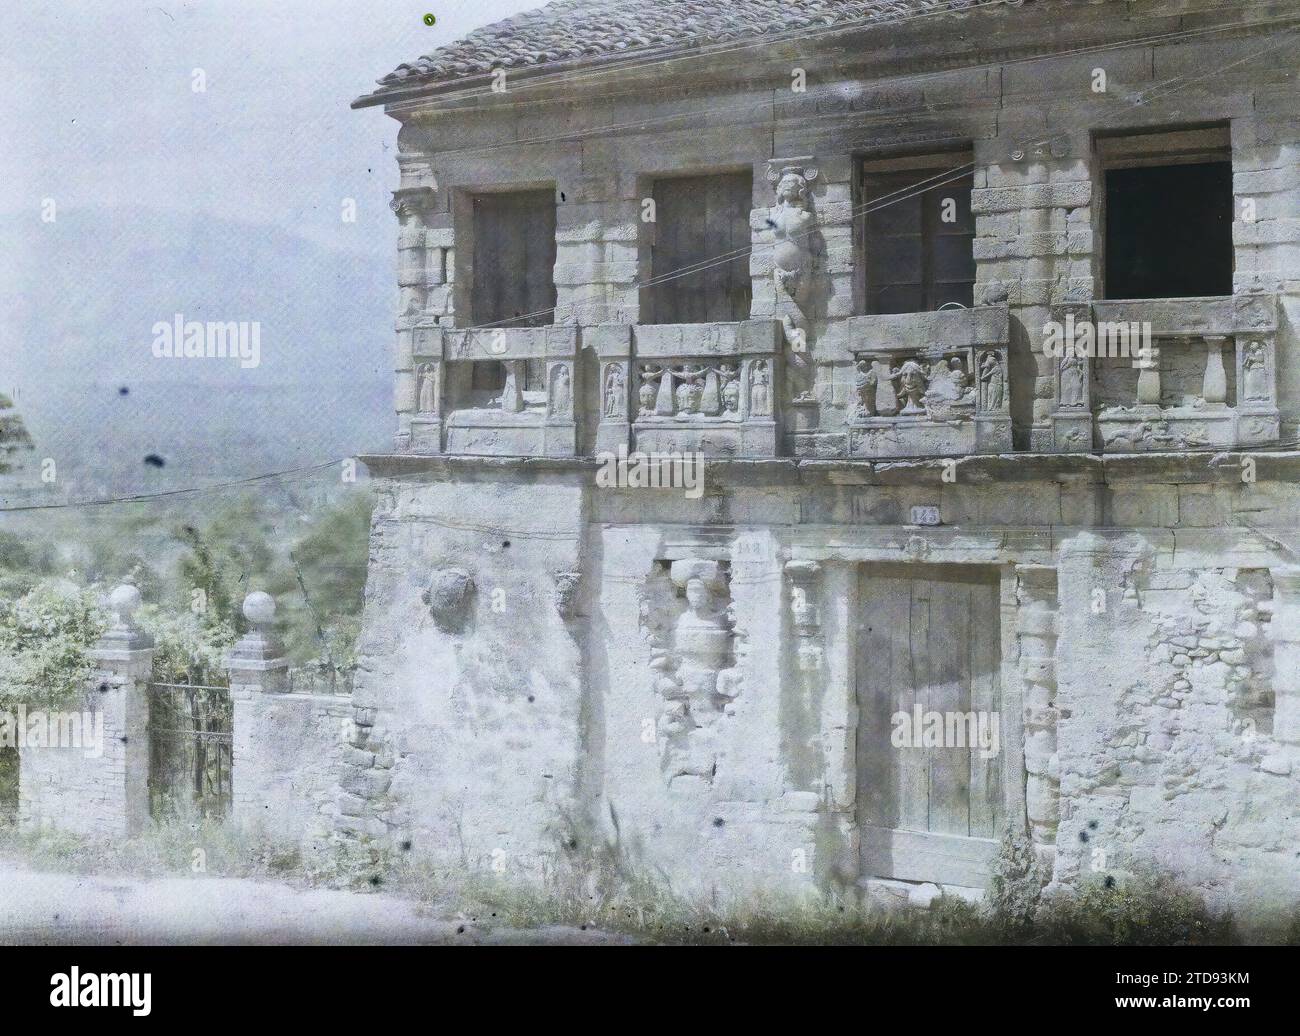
1147	908
45	641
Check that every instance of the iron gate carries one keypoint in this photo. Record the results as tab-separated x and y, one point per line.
189	750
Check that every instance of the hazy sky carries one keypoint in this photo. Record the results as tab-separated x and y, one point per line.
98	108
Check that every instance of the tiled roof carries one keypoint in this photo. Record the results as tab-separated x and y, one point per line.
569	31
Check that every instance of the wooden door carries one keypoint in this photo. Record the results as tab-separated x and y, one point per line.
928	636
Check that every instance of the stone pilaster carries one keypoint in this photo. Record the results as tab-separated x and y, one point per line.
1286	654
425	274
1036	631
1034	251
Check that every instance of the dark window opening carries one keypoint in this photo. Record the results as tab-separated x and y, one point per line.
487	376
514	259
1169	231
918	242
700	260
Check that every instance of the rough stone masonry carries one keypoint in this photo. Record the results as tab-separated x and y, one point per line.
819	242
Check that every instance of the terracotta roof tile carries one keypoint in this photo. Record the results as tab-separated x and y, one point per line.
577	30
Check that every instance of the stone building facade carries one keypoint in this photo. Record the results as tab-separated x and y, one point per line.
821	244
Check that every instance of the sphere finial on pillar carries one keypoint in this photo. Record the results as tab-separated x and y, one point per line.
259	608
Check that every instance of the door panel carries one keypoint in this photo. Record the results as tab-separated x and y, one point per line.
929	637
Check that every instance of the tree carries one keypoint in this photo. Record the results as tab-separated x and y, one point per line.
14	440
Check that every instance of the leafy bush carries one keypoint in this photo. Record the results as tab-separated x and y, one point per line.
1148	908
45	641
187	648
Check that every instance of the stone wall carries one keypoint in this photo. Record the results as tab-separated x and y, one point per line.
469	725
289	751
1138	687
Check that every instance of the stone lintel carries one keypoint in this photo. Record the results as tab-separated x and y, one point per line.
1151	469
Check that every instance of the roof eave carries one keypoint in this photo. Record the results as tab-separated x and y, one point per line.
439	87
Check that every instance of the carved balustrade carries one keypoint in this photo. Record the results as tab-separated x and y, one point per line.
687	387
495	390
930	384
1206	375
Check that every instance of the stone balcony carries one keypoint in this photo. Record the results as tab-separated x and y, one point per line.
490	391
686	387
929	384
1209	380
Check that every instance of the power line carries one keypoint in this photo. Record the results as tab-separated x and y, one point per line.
184	491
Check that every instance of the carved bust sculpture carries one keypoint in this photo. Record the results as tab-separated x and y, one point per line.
911	384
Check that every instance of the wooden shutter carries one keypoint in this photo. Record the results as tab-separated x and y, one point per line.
700	221
915	260
514	259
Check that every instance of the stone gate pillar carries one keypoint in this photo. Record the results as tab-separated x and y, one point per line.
258	670
99	788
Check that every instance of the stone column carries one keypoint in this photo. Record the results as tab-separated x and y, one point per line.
1286	653
106	794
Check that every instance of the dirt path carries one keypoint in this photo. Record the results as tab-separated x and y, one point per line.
44	907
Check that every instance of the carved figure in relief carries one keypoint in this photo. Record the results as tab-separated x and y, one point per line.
945	383
865	383
427	394
1072	375
791	222
561	395
993	379
701	636
760	402
614	395
1255	372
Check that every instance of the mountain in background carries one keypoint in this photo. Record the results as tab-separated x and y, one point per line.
81	297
